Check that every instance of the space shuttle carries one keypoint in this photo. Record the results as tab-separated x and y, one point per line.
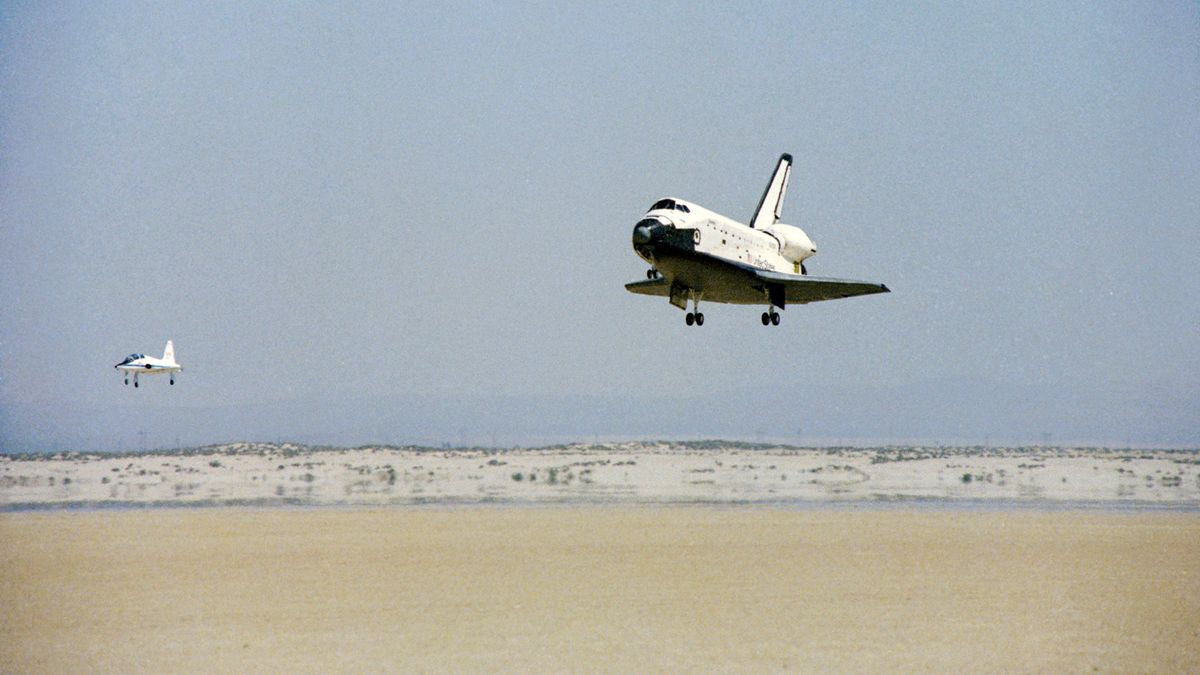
696	254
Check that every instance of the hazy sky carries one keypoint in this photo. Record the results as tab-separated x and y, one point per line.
368	223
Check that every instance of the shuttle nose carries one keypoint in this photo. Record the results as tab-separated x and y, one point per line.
645	230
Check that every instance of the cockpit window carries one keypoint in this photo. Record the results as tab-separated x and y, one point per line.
663	204
682	207
135	357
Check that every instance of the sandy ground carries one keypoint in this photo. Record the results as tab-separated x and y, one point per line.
268	474
598	589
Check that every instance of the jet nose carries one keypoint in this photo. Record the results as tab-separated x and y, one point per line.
641	235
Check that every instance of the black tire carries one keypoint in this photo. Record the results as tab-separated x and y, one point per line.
774	318
135	383
766	319
699	319
690	318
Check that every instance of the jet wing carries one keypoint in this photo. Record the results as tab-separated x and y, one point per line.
799	289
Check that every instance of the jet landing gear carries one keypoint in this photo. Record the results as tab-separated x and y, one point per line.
770	318
652	273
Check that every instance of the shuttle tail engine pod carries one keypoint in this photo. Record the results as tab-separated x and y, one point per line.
794	244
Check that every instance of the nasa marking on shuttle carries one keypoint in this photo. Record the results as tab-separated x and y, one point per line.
696	254
140	364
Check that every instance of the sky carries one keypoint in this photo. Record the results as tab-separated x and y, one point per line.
368	223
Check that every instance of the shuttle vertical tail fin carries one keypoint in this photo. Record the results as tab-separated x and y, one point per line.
769	206
169	352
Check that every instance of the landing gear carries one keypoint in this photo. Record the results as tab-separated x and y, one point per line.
172	381
127	382
652	273
695	317
135	383
770	318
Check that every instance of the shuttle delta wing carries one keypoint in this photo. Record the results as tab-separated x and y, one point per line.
798	289
660	287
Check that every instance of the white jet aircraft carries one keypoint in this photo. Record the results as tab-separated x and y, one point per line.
696	254
140	364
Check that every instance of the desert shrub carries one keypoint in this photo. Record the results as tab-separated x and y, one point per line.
966	478
518	476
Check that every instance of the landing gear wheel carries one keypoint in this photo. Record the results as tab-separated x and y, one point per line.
172	383
127	382
135	383
690	318
699	319
649	274
774	318
766	319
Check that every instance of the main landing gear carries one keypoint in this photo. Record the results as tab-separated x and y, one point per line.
770	318
694	317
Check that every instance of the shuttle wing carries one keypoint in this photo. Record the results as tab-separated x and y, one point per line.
659	286
752	286
794	288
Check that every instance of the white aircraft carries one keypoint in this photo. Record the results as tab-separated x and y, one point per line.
140	364
697	255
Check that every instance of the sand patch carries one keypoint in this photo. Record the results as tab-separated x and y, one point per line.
662	589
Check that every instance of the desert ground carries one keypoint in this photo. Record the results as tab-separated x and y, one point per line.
713	472
705	556
599	588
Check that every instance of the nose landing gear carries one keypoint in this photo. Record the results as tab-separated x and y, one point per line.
770	318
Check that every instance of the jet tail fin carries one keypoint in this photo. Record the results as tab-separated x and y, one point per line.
169	352
769	206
